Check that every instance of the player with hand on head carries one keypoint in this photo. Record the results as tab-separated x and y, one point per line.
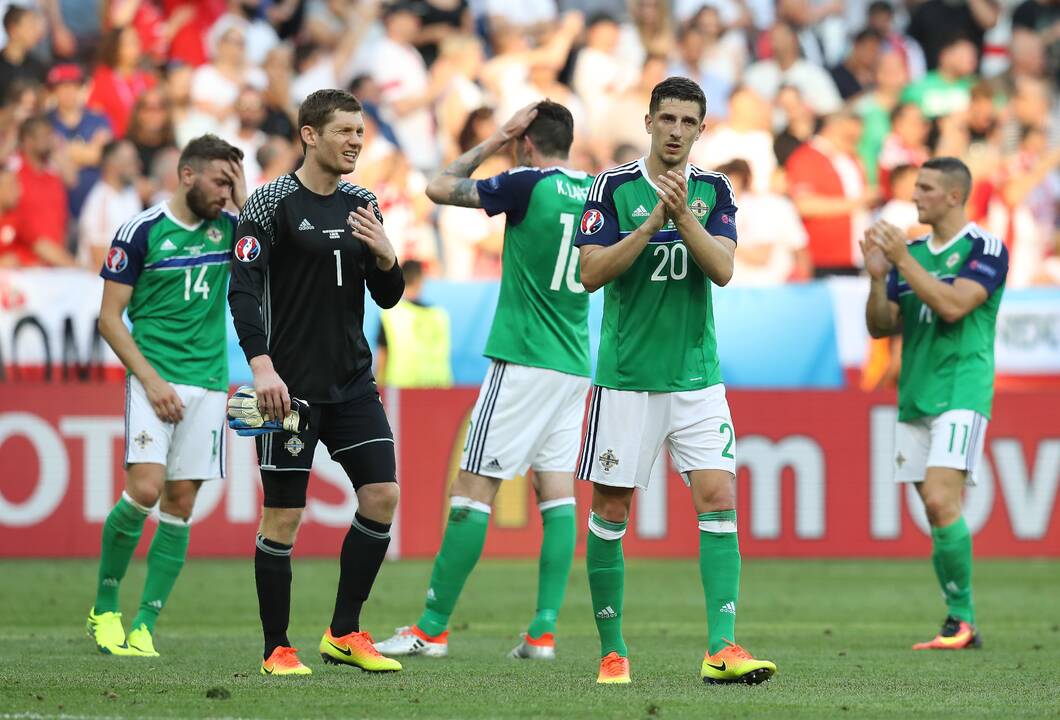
309	244
169	267
530	408
942	293
656	233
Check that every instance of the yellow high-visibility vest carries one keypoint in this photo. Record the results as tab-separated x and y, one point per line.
417	346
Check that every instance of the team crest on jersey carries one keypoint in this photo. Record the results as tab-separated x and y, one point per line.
117	260
608	460
698	208
247	249
214	235
592	222
953	259
294	446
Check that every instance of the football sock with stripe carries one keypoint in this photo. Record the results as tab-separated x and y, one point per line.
121	535
951	554
465	534
165	559
272	575
553	570
363	552
719	570
607	571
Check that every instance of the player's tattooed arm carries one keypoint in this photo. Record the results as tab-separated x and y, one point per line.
453	185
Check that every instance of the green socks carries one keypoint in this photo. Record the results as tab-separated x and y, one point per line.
121	534
557	554
951	554
606	568
164	562
719	569
461	547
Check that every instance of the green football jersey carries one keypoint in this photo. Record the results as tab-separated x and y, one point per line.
950	366
179	276
658	326
542	316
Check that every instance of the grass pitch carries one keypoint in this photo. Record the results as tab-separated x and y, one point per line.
839	631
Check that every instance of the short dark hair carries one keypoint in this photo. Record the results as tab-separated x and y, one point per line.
736	168
956	172
867	34
109	149
13	16
900	171
30	124
411	270
552	131
600	17
900	108
317	109
205	148
678	88
878	6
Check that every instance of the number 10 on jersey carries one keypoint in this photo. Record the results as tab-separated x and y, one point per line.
567	258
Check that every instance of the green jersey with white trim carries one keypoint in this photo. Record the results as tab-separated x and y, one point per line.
179	275
658	327
542	317
950	366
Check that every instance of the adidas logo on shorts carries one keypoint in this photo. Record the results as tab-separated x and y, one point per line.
607	613
306	225
493	465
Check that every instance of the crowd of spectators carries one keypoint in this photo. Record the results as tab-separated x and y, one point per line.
819	111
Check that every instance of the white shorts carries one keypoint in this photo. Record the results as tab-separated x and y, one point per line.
953	439
627	429
194	448
525	417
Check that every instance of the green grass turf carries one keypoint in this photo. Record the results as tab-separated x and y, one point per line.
839	631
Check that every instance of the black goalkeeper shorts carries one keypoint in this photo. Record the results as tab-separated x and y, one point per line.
357	435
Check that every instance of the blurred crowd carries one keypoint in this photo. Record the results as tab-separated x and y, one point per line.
819	111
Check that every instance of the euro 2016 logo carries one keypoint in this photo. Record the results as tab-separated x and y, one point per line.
592	222
117	260
247	249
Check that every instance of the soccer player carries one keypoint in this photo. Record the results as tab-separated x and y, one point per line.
941	293
309	243
658	232
169	267
529	409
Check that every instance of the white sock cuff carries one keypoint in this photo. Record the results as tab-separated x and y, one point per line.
597	528
558	502
173	519
466	502
717	526
128	498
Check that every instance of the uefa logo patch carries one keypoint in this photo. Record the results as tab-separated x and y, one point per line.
117	260
592	222
247	249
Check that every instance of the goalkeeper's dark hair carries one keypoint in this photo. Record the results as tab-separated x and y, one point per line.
206	148
955	172
411	271
552	130
678	88
317	110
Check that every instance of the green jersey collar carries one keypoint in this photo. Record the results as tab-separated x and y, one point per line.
169	214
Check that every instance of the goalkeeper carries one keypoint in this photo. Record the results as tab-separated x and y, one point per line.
169	267
309	244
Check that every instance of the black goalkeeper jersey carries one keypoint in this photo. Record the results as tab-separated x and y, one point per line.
297	288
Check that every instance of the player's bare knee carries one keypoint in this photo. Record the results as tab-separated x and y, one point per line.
475	487
941	509
612	504
713	491
378	501
178	497
144	483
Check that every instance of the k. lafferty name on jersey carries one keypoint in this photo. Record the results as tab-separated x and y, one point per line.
565	189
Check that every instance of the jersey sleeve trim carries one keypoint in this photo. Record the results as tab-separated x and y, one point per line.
128	251
364	194
987	263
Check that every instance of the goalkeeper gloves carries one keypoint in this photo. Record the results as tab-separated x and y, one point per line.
247	420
